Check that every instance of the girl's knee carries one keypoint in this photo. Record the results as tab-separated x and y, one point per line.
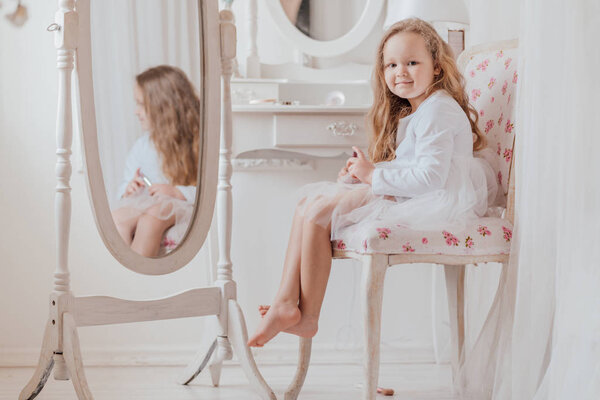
150	223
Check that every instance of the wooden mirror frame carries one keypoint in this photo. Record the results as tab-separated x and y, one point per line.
210	98
328	48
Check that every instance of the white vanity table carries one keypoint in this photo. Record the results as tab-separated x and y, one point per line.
292	107
314	130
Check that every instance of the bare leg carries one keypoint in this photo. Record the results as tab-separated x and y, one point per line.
125	223
315	266
149	233
285	311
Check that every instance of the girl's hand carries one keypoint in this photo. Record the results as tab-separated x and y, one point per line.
343	172
165	189
135	184
360	166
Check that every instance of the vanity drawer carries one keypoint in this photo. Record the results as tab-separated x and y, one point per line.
320	130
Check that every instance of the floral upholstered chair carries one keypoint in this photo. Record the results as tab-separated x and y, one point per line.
490	72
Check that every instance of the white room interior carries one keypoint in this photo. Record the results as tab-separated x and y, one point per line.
263	200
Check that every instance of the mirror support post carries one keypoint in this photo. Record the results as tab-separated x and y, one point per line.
65	41
60	346
232	336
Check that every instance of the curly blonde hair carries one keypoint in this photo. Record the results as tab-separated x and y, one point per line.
173	110
388	108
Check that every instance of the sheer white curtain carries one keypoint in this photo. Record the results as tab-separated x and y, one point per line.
541	340
129	36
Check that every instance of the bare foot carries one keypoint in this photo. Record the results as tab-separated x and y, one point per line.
307	327
278	318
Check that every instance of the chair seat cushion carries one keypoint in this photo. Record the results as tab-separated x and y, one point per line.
484	236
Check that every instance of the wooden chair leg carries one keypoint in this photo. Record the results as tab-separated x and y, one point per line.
373	274
455	285
303	361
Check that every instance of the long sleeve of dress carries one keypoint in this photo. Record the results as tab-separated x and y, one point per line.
434	141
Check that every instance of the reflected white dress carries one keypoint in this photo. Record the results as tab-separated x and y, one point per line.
433	183
143	155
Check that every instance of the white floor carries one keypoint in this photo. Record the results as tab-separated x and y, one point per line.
323	382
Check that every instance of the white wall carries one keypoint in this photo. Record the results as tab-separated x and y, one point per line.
263	204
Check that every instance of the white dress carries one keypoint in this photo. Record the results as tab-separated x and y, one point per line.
433	183
143	155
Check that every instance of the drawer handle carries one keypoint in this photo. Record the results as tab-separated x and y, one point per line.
342	128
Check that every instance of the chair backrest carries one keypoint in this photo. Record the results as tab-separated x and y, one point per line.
490	71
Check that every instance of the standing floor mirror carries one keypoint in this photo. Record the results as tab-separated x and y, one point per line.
152	181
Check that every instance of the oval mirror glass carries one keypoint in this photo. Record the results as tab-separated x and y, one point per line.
151	95
324	20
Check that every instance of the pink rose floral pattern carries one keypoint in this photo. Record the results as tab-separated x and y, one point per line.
507	233
168	243
494	233
451	240
475	94
483	66
484	231
489	125
469	242
407	248
384	233
508	155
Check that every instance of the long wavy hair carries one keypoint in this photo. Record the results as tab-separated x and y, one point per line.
388	108
173	109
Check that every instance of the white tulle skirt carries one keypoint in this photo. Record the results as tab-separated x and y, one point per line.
159	206
471	182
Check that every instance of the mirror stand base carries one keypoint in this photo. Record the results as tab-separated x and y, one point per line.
238	338
50	354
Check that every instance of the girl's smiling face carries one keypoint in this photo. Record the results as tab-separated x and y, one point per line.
408	67
140	108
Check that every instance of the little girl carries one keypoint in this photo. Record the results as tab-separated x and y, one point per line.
420	172
158	189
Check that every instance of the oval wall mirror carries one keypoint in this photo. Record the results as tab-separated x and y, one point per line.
323	20
325	28
150	96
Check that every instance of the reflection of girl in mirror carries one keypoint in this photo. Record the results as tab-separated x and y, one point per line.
158	188
420	173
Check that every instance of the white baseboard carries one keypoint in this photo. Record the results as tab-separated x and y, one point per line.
173	355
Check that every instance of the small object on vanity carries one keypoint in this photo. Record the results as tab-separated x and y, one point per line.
289	103
263	101
335	98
